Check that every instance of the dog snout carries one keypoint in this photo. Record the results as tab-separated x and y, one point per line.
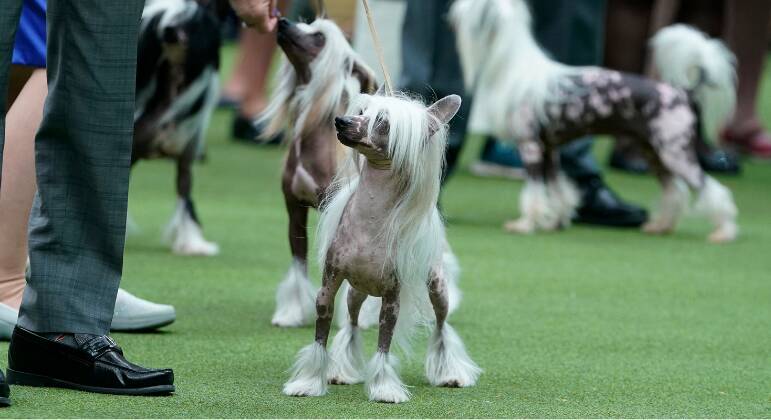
284	24
343	122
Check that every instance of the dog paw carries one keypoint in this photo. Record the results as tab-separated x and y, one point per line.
721	236
520	226
196	249
655	227
290	318
304	389
342	380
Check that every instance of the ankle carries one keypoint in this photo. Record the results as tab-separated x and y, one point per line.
12	289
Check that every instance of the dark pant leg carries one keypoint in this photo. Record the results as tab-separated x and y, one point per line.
83	151
577	160
572	31
9	21
431	66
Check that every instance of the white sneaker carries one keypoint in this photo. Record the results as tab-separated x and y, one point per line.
8	317
133	313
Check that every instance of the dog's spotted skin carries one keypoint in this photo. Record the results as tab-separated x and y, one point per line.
600	101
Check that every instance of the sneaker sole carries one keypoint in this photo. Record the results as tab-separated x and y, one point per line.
5	401
15	377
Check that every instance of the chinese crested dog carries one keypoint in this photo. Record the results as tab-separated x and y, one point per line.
177	91
319	77
523	94
381	231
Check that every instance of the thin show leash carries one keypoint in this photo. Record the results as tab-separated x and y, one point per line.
378	49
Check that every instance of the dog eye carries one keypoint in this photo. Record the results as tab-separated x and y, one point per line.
382	127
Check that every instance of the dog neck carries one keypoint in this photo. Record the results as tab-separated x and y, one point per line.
377	194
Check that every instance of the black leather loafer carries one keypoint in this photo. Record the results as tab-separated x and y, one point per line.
85	362
5	392
600	206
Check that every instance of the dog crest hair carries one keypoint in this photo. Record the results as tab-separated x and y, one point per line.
299	108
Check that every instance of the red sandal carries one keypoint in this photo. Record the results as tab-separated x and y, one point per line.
751	140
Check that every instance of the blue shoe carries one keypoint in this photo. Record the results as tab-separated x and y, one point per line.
498	160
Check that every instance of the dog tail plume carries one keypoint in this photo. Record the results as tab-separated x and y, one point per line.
688	59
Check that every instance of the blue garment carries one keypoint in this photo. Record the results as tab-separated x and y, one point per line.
30	46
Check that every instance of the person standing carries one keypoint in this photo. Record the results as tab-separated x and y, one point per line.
78	221
25	110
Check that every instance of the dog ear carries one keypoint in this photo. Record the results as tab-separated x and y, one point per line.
442	110
445	108
366	78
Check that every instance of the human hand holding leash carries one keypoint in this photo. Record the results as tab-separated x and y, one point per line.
261	15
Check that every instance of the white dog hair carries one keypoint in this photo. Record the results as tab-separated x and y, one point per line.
682	56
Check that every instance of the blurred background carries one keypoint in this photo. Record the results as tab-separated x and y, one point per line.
587	322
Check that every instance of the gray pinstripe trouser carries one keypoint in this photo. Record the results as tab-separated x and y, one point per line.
83	151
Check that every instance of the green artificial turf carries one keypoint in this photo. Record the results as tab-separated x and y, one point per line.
587	322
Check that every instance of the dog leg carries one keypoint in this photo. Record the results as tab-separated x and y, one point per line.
673	204
294	298
346	355
535	209
562	197
566	198
451	272
716	201
184	231
369	314
382	382
447	363
295	294
309	373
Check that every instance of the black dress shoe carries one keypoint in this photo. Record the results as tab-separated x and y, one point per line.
85	362
5	392
249	131
601	206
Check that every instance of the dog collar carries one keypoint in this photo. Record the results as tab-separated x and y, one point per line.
383	165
